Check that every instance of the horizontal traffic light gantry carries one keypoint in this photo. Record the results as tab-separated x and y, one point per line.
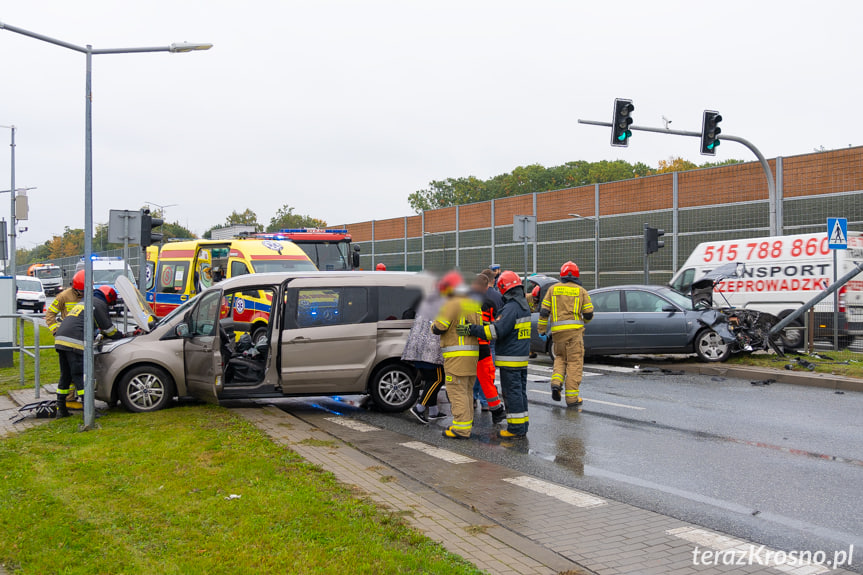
620	132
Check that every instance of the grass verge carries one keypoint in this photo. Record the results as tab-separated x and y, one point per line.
845	363
152	495
49	368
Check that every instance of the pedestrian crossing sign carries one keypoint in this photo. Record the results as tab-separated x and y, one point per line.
837	233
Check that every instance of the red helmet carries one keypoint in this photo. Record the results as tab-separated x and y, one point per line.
507	281
535	292
449	282
569	270
78	280
109	293
381	267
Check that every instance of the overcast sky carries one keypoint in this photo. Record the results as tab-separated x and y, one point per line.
343	108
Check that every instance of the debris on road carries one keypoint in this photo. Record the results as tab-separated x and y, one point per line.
763	382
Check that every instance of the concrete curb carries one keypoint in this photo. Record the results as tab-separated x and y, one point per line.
824	380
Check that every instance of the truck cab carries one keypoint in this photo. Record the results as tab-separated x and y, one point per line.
330	250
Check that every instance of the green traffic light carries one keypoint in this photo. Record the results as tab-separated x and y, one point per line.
621	137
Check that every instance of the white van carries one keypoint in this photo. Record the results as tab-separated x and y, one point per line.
782	273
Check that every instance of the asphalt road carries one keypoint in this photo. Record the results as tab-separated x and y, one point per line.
780	464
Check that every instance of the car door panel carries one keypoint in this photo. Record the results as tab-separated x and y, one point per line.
648	328
201	358
605	333
329	342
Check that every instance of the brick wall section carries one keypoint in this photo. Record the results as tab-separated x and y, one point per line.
474	216
440	220
639	195
823	173
738	183
506	208
361	232
551	206
391	229
415	226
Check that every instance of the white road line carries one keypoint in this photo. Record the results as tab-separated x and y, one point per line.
595	400
565	494
437	452
353	424
728	548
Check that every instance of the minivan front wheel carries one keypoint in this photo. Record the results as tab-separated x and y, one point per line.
392	388
145	388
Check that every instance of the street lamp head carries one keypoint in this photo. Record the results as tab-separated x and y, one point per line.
189	47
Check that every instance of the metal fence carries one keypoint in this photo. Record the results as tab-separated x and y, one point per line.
69	264
600	226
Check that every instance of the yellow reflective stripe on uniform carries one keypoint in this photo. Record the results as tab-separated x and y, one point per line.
444	322
510	361
523	328
571	393
465	425
557	377
460	348
70	343
53	327
110	331
517	418
62	391
490	332
447	354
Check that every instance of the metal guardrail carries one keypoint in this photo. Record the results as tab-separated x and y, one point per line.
30	350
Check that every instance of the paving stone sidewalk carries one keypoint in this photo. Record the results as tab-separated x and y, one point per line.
460	530
527	518
9	405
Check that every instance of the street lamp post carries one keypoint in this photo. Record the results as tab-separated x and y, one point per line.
12	262
89	51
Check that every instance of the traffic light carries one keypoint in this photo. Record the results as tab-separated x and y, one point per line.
710	132
148	222
652	243
621	121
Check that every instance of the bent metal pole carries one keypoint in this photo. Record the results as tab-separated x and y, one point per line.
858	268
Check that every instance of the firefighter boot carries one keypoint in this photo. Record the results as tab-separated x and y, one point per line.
61	406
498	415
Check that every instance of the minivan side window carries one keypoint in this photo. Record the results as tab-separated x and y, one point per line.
398	302
318	307
204	317
172	277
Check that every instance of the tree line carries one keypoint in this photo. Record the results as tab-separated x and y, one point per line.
538	178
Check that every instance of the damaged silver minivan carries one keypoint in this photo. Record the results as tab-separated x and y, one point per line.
327	334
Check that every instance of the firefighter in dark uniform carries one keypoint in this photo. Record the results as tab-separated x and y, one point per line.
510	333
69	343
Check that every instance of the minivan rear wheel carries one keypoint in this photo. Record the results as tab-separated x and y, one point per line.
393	388
145	388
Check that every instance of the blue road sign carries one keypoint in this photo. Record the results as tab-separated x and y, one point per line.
837	233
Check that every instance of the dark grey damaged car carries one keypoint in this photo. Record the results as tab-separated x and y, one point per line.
646	319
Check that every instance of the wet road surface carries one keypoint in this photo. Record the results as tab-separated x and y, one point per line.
778	464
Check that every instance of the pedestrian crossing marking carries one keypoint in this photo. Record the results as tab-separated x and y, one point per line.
571	496
437	452
353	424
595	400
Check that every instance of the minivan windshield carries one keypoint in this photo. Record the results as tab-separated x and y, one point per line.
29	285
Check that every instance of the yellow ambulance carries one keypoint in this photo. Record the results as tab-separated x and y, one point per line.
188	267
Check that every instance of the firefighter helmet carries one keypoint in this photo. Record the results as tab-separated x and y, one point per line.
535	292
569	270
381	267
78	280
449	282
109	293
507	281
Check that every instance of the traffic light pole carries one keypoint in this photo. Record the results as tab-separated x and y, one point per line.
768	173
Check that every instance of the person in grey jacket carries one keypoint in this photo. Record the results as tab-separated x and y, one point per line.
423	350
